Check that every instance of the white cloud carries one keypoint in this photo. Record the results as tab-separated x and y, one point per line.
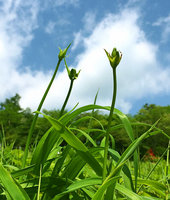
139	72
89	20
50	27
62	2
77	39
164	22
17	20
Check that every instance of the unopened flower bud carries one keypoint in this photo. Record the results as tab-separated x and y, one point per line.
72	74
114	58
62	53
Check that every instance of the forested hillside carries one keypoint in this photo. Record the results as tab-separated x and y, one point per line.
15	123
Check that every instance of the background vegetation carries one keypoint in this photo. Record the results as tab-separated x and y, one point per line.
16	121
83	153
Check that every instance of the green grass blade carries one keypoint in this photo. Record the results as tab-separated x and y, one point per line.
79	185
60	161
86	135
78	111
44	148
126	123
129	130
151	198
73	168
156	164
23	171
145	124
125	170
100	193
39	183
73	141
14	189
158	187
128	192
127	153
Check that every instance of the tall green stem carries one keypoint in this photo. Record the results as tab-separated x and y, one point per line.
67	97
36	116
109	124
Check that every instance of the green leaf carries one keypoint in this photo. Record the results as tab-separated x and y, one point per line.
128	192
158	187
73	141
126	123
11	186
23	171
44	148
79	185
86	135
128	152
99	194
74	167
78	111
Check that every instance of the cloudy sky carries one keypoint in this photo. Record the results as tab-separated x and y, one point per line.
31	32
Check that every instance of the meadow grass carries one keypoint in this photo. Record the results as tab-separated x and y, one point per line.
62	166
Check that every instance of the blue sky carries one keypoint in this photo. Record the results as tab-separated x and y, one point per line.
31	32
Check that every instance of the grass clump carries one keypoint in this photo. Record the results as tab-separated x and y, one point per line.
71	163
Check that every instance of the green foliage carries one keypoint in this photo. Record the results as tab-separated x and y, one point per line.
82	154
149	114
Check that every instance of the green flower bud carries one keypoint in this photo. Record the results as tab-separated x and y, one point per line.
114	58
72	74
62	53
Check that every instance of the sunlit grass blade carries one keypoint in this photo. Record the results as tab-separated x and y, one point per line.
11	186
59	163
149	125
127	192
23	171
86	136
79	185
129	131
152	170
87	118
155	185
127	153
126	123
73	168
39	183
44	148
80	110
126	174
100	193
73	141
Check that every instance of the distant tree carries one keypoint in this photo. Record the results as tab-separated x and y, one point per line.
10	116
15	120
150	114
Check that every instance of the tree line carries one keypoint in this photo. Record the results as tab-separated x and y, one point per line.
16	121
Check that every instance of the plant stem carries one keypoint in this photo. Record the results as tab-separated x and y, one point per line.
36	116
109	124
67	97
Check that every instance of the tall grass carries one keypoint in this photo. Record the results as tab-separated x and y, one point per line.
62	166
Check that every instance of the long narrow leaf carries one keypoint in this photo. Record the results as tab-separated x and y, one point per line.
128	192
79	185
10	185
73	141
100	193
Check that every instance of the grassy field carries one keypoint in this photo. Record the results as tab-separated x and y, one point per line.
63	165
